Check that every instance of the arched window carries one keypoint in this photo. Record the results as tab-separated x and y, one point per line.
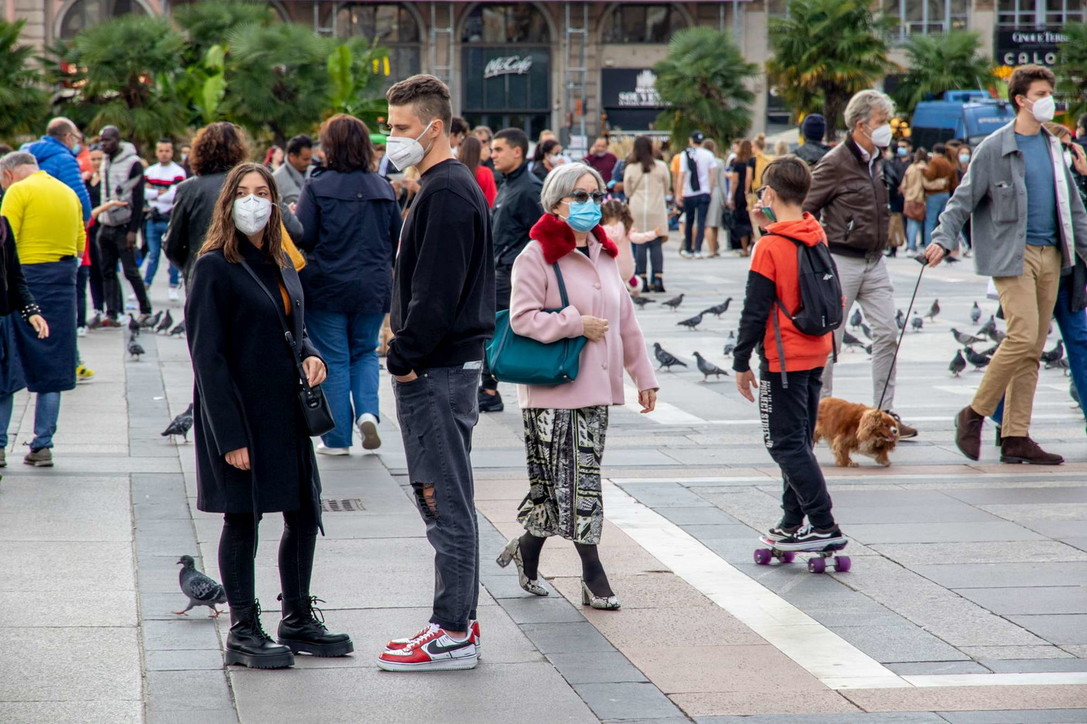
642	23
392	25
512	23
83	14
927	16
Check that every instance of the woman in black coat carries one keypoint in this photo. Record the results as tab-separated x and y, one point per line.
253	452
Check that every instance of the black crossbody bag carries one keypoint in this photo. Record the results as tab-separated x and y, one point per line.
315	408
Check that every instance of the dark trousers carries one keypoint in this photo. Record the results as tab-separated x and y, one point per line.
695	208
238	548
788	429
503	287
81	276
113	249
98	296
649	254
437	413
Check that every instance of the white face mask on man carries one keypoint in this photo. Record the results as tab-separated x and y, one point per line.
251	213
403	151
1043	109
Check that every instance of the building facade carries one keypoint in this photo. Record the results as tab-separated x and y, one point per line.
580	68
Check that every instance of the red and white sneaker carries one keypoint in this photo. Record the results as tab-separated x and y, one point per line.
431	650
473	629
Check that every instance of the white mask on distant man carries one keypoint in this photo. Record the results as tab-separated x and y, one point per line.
251	213
882	136
403	152
1043	109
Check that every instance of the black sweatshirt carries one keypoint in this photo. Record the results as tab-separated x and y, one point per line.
443	305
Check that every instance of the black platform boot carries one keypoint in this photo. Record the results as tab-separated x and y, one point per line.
247	643
658	283
303	629
646	286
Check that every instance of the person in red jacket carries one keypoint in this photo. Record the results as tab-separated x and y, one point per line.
471	155
789	410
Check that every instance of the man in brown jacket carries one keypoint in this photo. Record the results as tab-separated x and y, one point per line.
850	199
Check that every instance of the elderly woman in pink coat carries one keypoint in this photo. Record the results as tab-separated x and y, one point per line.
565	425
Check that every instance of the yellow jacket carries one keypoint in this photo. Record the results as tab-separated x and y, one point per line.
46	218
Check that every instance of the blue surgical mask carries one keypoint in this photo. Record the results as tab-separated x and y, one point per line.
902	151
964	158
77	149
584	216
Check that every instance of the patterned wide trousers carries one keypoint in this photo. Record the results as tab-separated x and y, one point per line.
564	450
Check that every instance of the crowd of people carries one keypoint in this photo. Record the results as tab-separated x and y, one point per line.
297	269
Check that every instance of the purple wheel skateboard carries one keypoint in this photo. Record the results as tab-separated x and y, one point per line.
816	564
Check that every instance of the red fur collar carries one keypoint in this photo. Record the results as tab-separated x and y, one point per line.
557	238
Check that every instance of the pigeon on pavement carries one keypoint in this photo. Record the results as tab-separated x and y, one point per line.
692	322
666	359
165	324
638	301
151	321
178	330
180	424
135	349
850	341
730	343
900	319
966	339
708	368
201	590
1052	356
933	310
958	364
674	302
867	330
718	309
979	361
856	319
975	313
917	323
133	325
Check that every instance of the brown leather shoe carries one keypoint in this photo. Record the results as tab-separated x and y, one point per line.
1025	450
968	432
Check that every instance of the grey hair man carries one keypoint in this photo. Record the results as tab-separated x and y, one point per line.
849	198
56	153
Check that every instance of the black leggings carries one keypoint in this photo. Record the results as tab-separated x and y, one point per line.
238	548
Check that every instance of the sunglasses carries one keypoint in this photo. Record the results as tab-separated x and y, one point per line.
581	197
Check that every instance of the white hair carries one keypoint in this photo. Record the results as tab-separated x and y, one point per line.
15	159
562	182
864	104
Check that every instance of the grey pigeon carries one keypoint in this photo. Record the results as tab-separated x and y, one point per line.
638	301
975	313
133	325
150	322
718	309
867	330
692	322
201	590
178	330
980	361
708	368
1052	356
180	424
991	351
966	339
674	302
850	341
934	309
900	319
856	319
988	328
165	324
730	344
666	359
135	349
917	323
958	364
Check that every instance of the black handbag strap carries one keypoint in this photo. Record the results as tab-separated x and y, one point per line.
287	336
562	285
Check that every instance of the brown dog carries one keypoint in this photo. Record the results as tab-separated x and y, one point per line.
851	427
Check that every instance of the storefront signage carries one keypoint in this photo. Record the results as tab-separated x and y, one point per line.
645	93
507	65
630	97
1037	46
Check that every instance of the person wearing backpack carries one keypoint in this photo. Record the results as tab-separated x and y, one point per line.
694	188
792	305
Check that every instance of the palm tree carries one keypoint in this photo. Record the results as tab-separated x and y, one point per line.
207	24
277	79
941	63
355	82
23	104
824	52
126	65
1071	69
703	79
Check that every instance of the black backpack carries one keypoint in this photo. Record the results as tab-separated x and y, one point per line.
820	311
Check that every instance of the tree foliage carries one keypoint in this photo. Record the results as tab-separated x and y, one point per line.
941	63
210	24
824	52
355	79
1071	69
703	79
23	103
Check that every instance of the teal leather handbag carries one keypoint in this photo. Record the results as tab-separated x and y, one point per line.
524	361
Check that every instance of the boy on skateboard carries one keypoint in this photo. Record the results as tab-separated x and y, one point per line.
781	295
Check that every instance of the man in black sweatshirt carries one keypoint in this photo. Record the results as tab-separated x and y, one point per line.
442	314
516	211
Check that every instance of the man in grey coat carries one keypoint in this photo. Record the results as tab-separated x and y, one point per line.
1027	224
295	169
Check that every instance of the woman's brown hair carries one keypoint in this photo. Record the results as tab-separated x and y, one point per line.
222	234
217	148
345	141
471	151
617	210
743	154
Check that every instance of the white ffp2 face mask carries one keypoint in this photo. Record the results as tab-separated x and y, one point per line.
403	152
882	136
1043	109
251	213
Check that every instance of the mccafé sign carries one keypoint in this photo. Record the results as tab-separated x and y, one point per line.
507	65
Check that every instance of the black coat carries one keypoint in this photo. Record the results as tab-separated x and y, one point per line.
516	210
351	227
246	387
190	217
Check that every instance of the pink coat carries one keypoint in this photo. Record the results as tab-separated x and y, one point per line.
594	288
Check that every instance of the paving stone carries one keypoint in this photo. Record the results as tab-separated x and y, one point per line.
1039	716
703	706
626	701
188	691
1006	575
685	669
928	668
600	667
84	712
183	660
665	495
1041	551
947	512
73	608
1057	629
966	698
537	609
905	717
1031	495
207	716
648	590
1029	666
697	515
940	532
1038	600
70	664
898	643
182	633
59	566
1008	653
566	638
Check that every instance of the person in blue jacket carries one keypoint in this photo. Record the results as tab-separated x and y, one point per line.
56	155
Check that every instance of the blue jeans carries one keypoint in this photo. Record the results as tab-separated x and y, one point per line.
1073	326
695	208
46	412
153	232
348	343
934	206
913	230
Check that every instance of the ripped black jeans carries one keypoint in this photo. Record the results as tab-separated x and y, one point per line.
238	548
437	414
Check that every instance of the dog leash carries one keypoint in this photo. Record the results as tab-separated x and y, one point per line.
902	334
